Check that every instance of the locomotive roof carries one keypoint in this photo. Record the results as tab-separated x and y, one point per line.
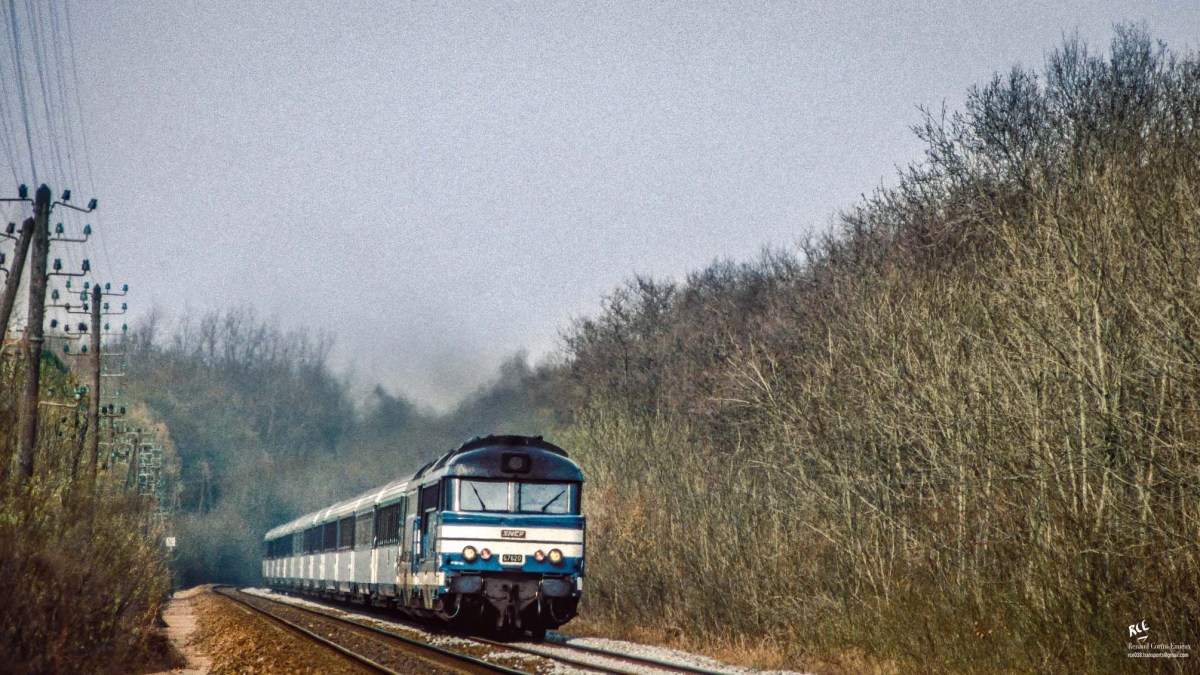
488	457
480	457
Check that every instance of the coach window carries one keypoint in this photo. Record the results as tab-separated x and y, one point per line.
330	540
482	495
387	525
346	533
545	497
364	530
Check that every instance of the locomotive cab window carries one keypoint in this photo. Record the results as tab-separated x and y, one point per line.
517	497
545	498
482	495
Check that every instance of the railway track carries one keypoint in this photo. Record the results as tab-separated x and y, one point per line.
641	662
616	663
377	650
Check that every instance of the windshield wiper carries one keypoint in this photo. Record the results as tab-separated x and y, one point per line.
481	502
563	492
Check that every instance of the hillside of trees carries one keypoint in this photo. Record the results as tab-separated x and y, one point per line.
957	432
266	431
960	431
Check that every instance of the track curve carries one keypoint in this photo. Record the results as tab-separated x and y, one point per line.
376	649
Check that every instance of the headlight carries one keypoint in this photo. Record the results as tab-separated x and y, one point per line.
556	556
539	556
485	554
469	554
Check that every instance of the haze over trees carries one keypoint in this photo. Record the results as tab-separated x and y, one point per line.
959	431
266	431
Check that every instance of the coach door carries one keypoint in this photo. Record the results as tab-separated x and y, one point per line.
428	506
414	547
387	543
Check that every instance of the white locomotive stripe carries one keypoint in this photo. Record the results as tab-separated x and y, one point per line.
531	533
508	546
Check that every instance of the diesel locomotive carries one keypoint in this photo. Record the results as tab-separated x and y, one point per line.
487	536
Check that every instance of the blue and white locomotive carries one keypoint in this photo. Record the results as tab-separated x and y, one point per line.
488	535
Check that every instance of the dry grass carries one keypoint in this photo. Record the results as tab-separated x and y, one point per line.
764	653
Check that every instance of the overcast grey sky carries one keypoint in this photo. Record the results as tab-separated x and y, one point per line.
443	184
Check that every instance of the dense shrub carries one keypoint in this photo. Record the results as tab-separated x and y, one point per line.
82	570
82	583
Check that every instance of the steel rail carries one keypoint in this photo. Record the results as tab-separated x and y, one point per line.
616	656
640	659
589	665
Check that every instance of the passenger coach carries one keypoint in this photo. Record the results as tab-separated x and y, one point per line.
488	535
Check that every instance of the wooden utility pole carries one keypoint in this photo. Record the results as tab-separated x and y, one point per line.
80	443
14	275
33	333
131	473
94	401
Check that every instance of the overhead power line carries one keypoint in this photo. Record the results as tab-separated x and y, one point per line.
16	45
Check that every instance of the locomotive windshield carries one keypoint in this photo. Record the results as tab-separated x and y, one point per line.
544	497
482	495
517	497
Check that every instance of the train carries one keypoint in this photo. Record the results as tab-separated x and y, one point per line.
487	537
